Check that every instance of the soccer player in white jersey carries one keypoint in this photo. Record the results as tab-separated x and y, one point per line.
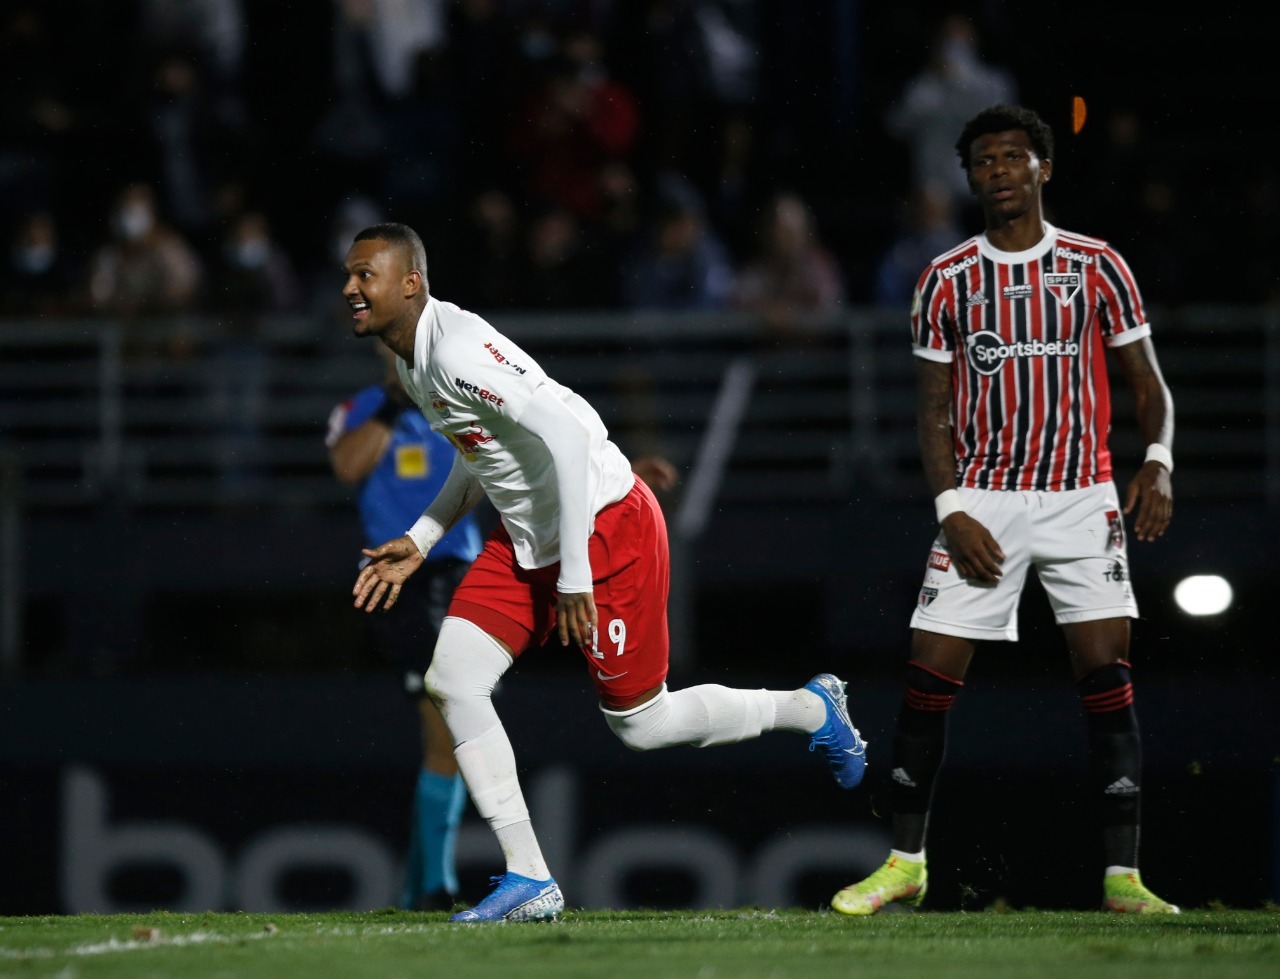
581	551
1010	331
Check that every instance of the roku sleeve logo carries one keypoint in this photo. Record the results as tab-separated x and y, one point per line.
475	389
951	271
987	351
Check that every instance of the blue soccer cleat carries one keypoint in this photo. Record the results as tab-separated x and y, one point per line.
516	898
839	740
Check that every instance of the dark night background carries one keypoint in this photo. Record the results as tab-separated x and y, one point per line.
194	660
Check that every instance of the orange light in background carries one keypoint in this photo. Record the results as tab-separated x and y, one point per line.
1078	112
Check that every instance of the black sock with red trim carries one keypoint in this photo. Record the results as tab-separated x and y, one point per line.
919	745
1115	759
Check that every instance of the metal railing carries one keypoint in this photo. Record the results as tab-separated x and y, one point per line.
192	415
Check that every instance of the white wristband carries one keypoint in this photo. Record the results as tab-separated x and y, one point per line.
1157	452
425	533
946	503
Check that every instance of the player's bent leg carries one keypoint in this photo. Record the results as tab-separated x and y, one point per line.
1123	891
900	880
709	714
705	715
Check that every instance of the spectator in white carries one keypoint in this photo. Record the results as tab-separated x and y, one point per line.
952	87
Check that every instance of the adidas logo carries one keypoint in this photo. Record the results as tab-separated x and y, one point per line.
977	299
902	778
1122	786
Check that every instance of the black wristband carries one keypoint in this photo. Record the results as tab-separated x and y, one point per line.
388	412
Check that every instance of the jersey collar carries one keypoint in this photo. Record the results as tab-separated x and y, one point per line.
990	251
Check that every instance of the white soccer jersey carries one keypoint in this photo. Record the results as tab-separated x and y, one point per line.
1024	333
472	384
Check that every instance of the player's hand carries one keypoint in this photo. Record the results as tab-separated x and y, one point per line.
1151	491
974	552
389	567
576	617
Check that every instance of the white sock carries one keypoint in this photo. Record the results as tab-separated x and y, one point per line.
704	715
521	850
799	710
465	667
1112	871
909	857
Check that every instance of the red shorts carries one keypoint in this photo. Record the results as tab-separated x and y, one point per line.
631	572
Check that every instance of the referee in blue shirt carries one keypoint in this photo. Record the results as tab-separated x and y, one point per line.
380	443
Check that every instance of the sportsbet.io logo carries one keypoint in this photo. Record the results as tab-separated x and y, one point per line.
987	350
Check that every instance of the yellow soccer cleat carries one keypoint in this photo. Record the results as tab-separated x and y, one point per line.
901	881
1127	894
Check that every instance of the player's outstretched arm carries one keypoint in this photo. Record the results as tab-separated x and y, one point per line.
389	567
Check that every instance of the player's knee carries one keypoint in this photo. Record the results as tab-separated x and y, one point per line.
642	728
629	732
929	690
1106	684
466	663
436	685
1107	697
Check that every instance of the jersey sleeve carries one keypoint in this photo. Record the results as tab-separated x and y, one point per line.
931	338
353	413
480	374
1121	314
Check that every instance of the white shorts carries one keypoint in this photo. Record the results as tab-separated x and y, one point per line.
1074	539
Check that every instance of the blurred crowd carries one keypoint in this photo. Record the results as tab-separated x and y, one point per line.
216	156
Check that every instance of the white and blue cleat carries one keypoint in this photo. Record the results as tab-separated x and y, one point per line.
516	898
838	739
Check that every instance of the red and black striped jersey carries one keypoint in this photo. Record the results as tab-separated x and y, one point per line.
1031	404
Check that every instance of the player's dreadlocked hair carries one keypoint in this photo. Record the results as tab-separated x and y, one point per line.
1001	118
402	235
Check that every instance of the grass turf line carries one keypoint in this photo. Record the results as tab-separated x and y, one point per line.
1224	944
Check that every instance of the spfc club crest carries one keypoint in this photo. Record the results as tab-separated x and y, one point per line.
927	595
1063	285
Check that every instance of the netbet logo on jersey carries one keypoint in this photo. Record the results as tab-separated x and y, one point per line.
987	351
484	394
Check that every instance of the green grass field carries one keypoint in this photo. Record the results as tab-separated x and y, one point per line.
1222	944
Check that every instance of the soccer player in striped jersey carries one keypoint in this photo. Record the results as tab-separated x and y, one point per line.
1010	331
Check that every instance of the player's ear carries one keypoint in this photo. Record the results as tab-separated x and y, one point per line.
1046	171
413	283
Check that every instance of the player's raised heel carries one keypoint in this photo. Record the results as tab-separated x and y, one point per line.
897	882
838	739
1127	894
516	898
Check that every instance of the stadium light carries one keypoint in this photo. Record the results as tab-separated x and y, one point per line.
1203	594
